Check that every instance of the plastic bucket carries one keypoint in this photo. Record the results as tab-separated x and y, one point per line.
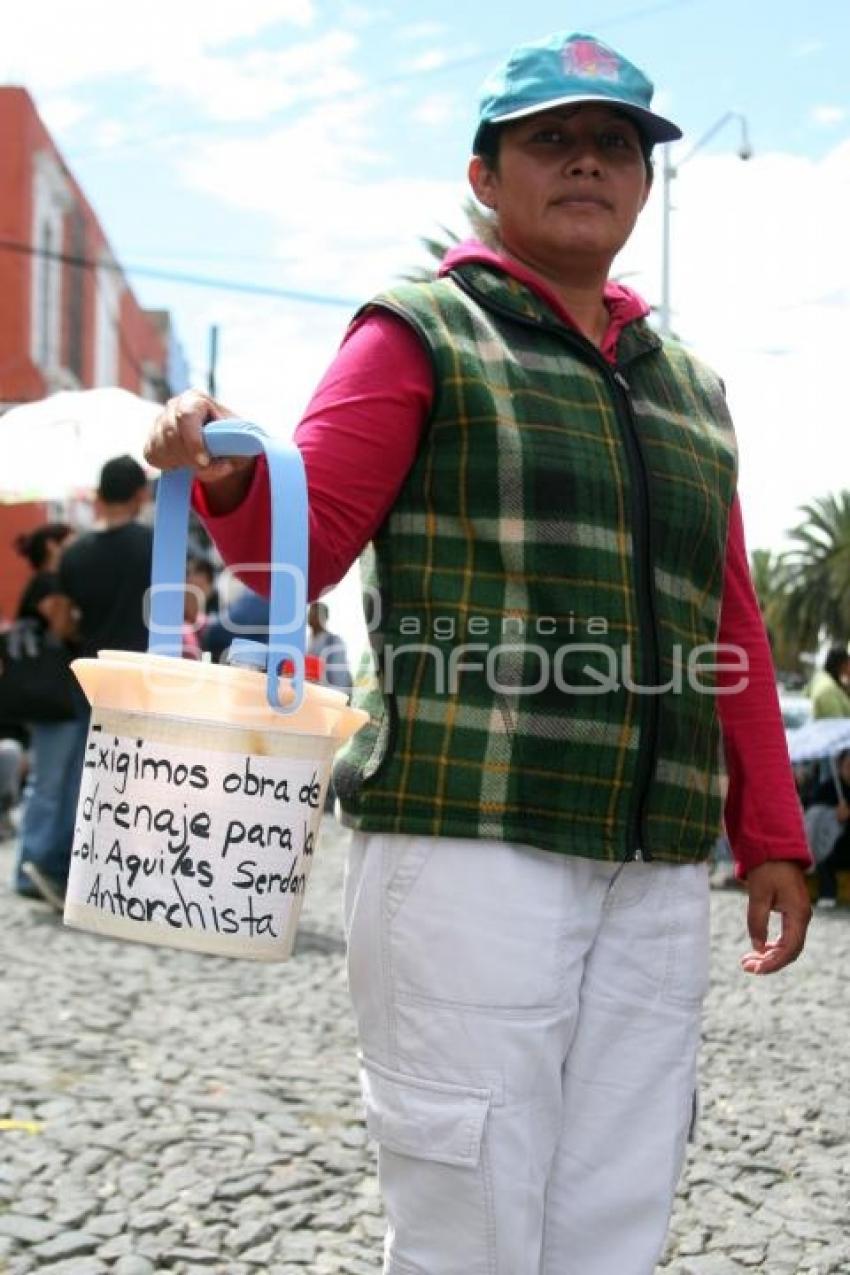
204	785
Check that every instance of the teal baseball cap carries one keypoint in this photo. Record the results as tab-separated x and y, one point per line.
566	70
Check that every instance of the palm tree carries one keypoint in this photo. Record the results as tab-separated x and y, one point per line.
770	580
817	573
480	227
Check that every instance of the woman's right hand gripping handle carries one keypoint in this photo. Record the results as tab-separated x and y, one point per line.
176	441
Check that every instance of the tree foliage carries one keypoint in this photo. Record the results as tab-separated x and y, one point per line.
480	227
804	592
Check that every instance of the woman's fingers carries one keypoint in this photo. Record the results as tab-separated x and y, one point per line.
176	438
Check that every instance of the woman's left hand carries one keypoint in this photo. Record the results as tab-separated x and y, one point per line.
777	886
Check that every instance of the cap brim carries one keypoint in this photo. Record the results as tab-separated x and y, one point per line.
655	128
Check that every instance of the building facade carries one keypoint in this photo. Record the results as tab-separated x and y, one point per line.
68	318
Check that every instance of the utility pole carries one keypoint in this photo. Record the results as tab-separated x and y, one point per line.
213	360
668	172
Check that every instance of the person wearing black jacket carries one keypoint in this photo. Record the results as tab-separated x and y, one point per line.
103	579
46	829
838	860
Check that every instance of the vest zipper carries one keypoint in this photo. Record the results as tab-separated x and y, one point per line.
636	844
637	847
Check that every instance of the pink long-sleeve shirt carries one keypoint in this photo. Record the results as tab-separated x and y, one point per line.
358	439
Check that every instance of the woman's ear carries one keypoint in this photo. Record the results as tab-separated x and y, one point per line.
648	189
483	181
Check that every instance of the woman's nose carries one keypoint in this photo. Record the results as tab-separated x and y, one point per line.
585	164
583	158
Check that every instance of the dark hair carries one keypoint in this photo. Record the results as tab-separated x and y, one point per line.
34	545
836	660
120	480
201	566
491	135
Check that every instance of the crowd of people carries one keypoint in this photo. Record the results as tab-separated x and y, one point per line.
87	592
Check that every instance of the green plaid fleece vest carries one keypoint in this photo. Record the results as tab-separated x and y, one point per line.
554	558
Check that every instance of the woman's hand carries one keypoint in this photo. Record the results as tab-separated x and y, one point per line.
176	440
776	886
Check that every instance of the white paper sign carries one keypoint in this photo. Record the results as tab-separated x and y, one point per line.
192	839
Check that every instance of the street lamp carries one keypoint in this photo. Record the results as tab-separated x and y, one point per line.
669	171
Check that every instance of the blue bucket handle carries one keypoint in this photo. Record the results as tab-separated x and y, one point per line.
288	603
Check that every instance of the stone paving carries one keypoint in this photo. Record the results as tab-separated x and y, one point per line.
161	1111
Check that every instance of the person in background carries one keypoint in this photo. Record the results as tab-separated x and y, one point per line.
105	575
835	792
12	752
50	796
527	897
828	691
246	616
103	578
201	603
329	648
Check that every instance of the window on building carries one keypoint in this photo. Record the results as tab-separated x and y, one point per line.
51	199
110	287
75	297
46	269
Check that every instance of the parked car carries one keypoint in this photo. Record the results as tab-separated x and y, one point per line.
796	709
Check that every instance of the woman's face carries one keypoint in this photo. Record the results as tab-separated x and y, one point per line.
568	187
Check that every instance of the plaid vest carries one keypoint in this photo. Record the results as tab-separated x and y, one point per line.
541	594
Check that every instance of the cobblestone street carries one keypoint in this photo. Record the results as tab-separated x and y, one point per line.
161	1111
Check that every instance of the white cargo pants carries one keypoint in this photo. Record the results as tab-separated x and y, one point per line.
529	1026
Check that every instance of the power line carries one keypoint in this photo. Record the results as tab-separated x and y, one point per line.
192	280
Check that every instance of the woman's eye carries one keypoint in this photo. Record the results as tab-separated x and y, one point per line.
616	141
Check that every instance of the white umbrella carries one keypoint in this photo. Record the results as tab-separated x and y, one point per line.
822	738
55	447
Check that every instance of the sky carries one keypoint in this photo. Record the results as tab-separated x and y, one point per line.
309	145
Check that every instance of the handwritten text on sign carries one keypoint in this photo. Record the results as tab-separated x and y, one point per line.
186	837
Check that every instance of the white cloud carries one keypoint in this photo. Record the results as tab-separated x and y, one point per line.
62	113
760	283
430	61
436	110
255	84
343	221
828	116
420	31
97	39
109	134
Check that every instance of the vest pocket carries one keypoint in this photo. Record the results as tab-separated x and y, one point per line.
356	768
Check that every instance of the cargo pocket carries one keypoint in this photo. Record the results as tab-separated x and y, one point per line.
432	1171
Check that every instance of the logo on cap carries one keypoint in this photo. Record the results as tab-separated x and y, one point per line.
590	60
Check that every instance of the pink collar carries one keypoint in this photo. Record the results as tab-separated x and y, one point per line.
623	304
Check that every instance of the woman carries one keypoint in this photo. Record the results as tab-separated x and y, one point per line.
47	823
549	492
